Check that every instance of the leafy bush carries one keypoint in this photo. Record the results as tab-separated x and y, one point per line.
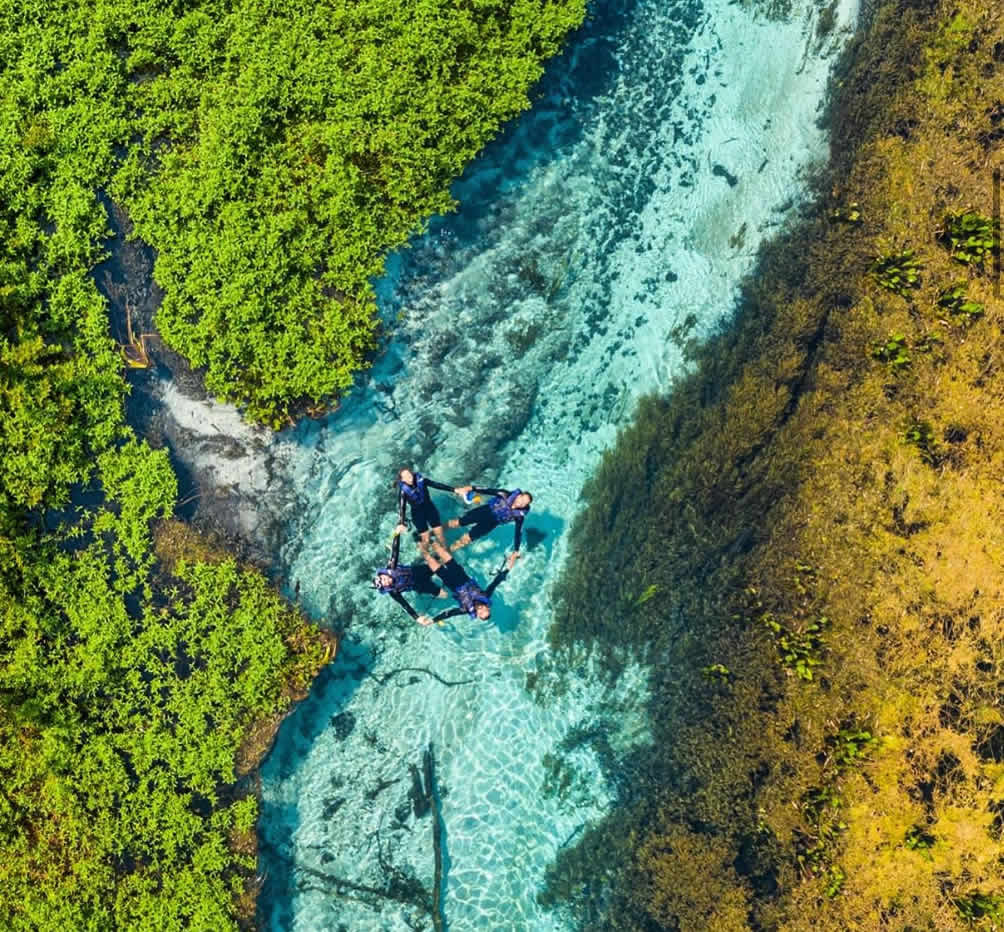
271	158
125	695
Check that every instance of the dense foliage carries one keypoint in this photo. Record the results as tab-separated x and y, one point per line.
271	153
125	694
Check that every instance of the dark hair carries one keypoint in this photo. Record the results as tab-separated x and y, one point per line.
398	478
528	495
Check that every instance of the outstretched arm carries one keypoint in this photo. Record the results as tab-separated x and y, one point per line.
449	613
405	604
518	535
493	585
432	484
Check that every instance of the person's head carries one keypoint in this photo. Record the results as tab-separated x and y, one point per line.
483	611
383	580
406	476
522	500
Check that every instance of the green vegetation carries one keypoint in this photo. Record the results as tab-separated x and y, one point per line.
920	434
127	691
892	352
953	299
772	804
899	272
798	649
271	158
969	237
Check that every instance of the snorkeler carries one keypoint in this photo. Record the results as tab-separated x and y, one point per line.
413	487
393	580
471	598
506	506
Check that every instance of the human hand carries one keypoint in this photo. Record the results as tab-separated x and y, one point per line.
400	529
462	490
424	620
511	561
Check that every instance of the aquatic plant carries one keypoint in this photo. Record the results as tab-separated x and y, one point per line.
898	272
799	649
852	746
893	352
920	434
919	839
835	878
849	214
976	906
929	342
954	300
970	237
717	672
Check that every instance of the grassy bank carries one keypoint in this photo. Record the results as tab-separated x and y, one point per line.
807	540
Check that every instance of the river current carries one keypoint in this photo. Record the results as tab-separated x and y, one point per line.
604	230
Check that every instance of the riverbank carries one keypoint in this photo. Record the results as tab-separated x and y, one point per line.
807	538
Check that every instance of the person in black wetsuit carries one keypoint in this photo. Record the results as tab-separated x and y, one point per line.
393	579
471	599
413	489
506	506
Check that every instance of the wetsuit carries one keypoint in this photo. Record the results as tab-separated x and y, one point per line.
424	513
463	588
485	518
414	578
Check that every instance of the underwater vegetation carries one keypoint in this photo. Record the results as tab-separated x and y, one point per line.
817	512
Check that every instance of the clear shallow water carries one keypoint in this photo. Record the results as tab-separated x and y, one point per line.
607	227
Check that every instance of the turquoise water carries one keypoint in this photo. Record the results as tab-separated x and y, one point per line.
604	230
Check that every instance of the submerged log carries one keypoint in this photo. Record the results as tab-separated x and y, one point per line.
428	768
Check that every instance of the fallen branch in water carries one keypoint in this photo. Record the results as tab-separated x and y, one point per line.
400	889
383	679
428	769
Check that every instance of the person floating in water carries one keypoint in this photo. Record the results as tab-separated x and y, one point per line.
506	506
471	599
413	489
394	580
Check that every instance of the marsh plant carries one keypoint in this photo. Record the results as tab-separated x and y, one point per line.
955	301
970	237
799	649
893	352
898	272
920	434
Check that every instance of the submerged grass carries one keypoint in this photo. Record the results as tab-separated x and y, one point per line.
798	476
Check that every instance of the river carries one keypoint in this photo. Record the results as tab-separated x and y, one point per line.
601	233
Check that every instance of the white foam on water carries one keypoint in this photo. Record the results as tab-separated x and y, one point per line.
590	241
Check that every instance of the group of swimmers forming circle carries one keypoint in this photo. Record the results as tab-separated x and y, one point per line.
504	507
